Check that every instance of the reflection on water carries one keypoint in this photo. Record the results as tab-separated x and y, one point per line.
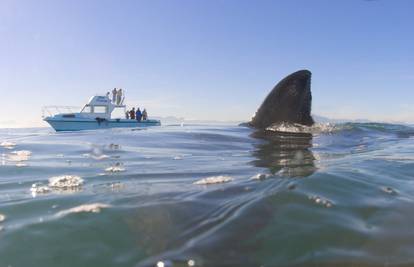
283	153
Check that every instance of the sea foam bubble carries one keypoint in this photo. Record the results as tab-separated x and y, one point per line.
65	181
214	180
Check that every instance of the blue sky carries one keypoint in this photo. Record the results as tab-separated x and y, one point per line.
214	59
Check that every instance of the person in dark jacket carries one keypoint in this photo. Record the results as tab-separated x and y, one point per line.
138	115
132	114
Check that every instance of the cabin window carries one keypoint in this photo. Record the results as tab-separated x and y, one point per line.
99	109
86	109
68	116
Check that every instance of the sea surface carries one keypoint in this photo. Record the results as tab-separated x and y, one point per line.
208	195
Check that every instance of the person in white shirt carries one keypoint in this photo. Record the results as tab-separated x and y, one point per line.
144	115
119	97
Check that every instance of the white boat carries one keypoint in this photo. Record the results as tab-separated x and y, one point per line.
96	114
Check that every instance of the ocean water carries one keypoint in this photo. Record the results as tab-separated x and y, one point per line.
206	195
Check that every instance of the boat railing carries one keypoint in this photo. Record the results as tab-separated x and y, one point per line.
53	110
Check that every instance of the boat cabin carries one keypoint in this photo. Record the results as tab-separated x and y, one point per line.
101	107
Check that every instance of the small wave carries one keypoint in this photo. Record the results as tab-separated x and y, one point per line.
214	180
65	182
94	208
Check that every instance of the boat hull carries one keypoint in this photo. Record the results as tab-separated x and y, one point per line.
81	125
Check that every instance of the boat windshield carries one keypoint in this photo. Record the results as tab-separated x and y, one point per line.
86	109
99	109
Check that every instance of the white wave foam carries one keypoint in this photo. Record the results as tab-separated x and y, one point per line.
2	217
65	181
214	180
94	208
317	128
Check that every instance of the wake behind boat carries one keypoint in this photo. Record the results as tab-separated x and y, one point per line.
99	113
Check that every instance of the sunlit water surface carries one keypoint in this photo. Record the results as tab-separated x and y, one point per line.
341	195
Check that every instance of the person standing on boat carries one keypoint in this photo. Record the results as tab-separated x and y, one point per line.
114	95
119	96
138	115
107	95
132	114
127	114
144	115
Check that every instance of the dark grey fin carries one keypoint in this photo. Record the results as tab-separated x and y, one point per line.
290	101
